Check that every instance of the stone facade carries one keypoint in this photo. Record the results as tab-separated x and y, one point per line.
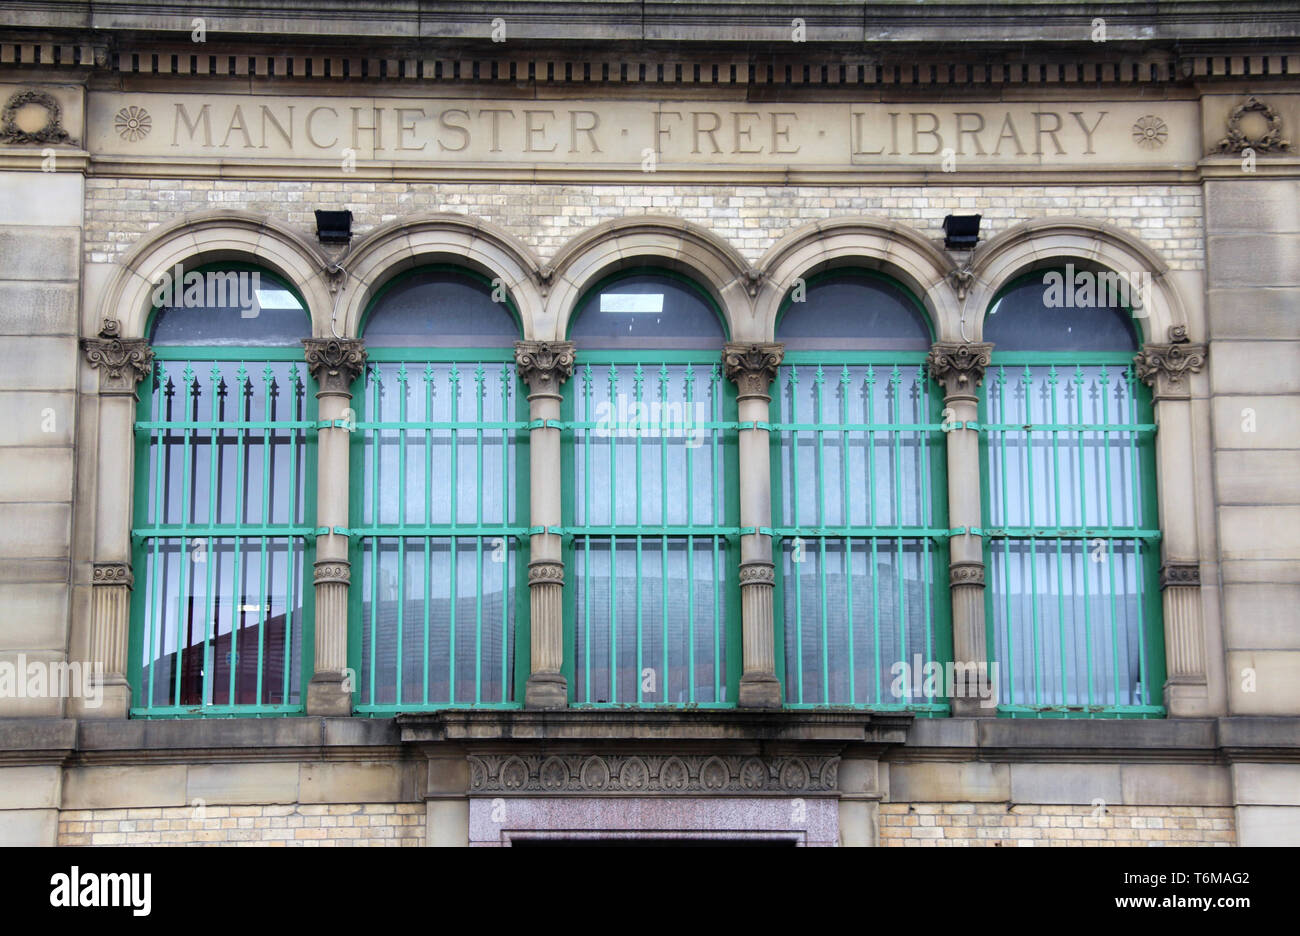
112	170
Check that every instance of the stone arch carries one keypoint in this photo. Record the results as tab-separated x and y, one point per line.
649	241
1047	242
215	237
874	243
438	238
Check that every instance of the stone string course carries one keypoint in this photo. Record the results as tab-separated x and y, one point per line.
1169	219
1009	826
348	824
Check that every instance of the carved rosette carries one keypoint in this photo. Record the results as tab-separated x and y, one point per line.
1271	142
544	365
332	570
1165	367
1178	573
122	362
752	366
958	366
966	573
112	573
335	362
545	572
492	774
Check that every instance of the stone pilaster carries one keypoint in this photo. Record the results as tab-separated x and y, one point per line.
122	363
544	366
959	369
753	368
1168	369
335	363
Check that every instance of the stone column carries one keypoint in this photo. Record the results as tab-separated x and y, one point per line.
1166	368
959	369
544	366
753	367
122	363
335	363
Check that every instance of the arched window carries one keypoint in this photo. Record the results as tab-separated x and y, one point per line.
437	515
224	499
652	613
1071	533
859	497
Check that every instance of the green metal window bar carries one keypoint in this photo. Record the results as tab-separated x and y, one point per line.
439	548
652	532
1071	537
223	541
859	488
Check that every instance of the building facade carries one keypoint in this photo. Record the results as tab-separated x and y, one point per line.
496	424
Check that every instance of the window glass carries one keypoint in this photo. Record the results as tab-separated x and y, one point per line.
439	308
648	310
853	311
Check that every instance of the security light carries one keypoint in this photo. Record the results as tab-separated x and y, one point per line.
961	232
334	227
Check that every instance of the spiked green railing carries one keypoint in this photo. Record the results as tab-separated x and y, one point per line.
224	498
1071	536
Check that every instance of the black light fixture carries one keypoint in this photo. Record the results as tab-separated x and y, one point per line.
334	227
961	232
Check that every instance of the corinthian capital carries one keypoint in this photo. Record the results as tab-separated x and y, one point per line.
959	366
122	362
544	365
752	366
1164	367
335	362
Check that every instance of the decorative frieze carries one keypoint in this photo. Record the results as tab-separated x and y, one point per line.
544	572
332	571
544	365
958	366
966	573
335	362
1165	367
752	366
692	774
112	573
122	362
757	573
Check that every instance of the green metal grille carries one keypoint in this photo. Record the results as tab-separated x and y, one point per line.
859	492
223	540
438	543
1071	536
651	516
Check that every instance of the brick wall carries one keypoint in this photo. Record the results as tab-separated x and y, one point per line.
1005	825
752	218
348	824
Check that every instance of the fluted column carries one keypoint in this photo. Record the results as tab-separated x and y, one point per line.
544	366
959	369
1167	369
335	363
122	363
753	367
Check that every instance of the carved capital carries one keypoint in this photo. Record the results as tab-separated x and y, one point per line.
966	573
1164	366
122	362
331	570
545	572
958	366
112	573
544	365
752	366
1180	573
335	362
757	573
